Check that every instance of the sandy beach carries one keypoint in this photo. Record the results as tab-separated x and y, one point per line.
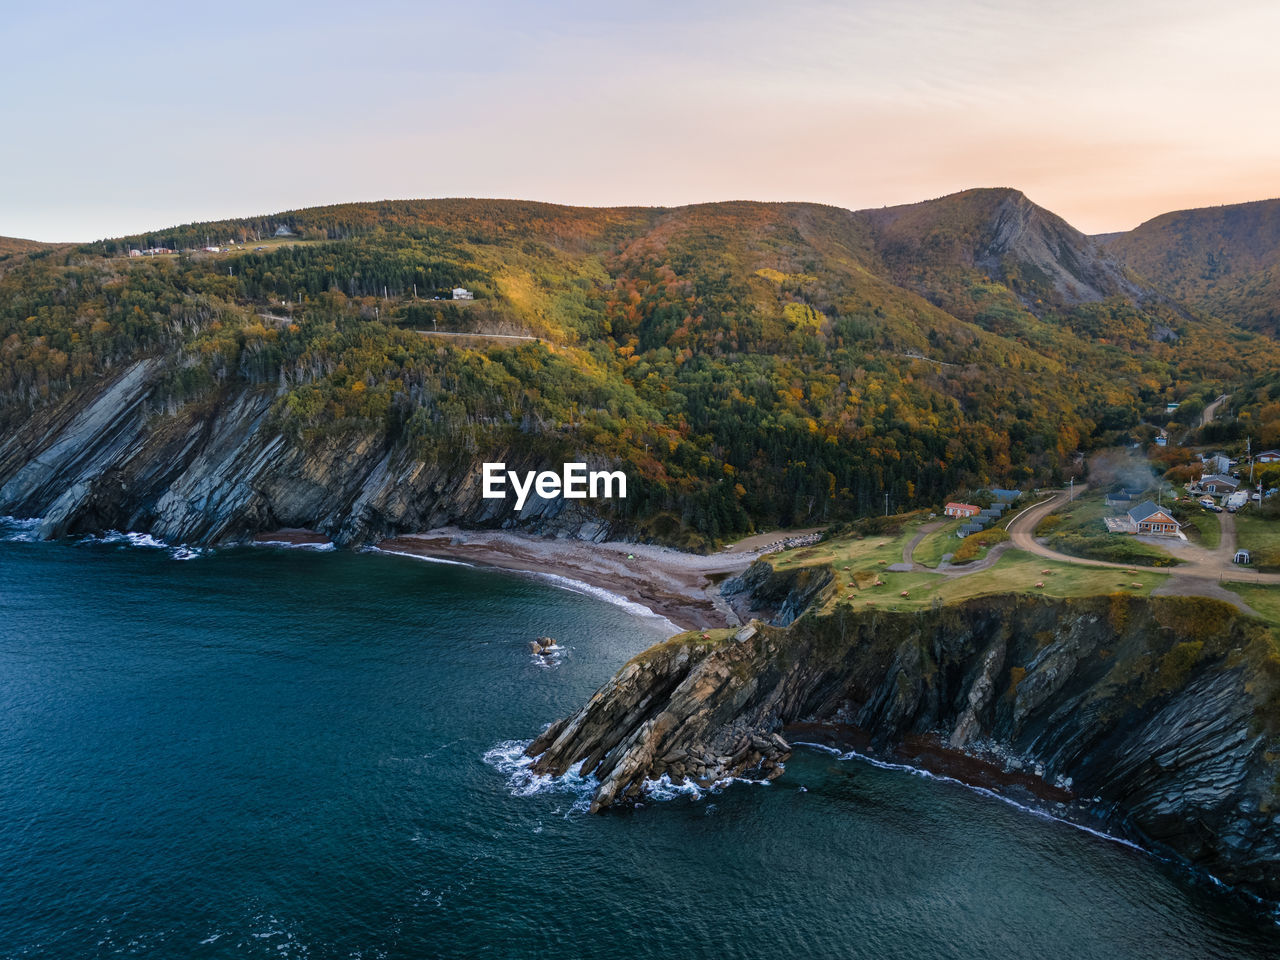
683	587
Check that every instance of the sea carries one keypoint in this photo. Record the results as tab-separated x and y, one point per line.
298	753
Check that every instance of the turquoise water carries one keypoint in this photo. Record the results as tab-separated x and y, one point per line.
280	753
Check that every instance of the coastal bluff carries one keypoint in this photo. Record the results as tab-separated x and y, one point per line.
1163	714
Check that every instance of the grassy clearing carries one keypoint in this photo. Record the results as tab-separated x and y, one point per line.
1207	530
1261	536
1016	572
1264	598
864	581
938	544
874	551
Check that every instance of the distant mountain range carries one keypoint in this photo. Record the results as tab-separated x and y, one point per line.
749	363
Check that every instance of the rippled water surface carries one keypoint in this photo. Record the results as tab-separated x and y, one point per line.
282	753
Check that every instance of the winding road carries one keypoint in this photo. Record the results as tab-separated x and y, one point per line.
1201	573
1211	410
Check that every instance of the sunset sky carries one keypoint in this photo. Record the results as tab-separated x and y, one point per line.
120	117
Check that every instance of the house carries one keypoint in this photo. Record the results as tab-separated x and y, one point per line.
462	293
283	231
1242	556
1269	456
1217	462
968	529
1171	407
135	253
961	510
1005	496
1216	483
1148	518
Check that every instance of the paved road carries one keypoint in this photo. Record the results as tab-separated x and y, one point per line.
482	336
1211	410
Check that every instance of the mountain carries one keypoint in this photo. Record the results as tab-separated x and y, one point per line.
1223	260
998	235
747	364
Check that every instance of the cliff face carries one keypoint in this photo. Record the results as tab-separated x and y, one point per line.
1162	709
222	470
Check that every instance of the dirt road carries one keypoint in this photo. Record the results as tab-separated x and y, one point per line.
1201	573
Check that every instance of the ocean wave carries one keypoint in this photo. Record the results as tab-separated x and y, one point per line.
822	747
112	537
983	791
417	556
144	541
550	656
20	529
325	547
664	788
599	593
557	580
509	759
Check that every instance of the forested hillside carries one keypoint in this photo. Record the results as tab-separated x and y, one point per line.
749	364
1224	260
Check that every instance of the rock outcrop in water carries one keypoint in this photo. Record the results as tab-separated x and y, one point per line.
1165	710
223	469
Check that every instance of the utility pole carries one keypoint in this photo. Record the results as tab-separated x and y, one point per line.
1071	495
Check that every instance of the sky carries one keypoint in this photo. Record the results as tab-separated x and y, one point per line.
127	117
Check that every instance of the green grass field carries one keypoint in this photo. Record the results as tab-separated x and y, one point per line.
1208	531
1264	598
1016	572
1261	536
936	545
866	560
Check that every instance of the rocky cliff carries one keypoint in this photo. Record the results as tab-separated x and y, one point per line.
1163	712
222	469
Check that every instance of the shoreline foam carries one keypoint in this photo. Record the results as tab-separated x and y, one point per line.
681	588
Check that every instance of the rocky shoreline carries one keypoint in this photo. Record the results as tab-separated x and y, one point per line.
1160	716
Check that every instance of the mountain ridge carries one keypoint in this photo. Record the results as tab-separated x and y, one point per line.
747	363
